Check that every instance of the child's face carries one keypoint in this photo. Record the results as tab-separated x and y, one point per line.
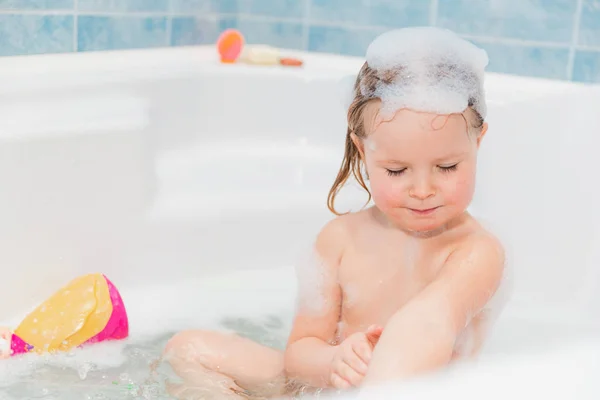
421	167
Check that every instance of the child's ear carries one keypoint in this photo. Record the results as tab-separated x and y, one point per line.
359	145
484	129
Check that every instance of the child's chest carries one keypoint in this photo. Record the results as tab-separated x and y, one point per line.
377	284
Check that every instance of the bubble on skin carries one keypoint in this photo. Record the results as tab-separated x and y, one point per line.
411	251
465	343
312	276
339	334
475	333
501	296
341	327
351	294
498	298
370	144
479	323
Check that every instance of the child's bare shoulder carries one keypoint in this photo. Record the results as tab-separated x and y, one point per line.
479	245
336	234
485	240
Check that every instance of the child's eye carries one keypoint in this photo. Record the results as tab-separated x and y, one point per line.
448	168
396	172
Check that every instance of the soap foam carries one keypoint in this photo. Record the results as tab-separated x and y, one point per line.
312	278
426	69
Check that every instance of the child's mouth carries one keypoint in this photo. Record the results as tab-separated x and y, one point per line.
423	211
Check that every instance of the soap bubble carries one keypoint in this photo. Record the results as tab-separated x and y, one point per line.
426	69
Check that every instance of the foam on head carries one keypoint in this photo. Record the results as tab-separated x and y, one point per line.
426	69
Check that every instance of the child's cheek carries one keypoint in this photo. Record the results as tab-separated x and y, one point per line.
385	192
460	190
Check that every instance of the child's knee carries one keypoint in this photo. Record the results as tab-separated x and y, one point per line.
188	346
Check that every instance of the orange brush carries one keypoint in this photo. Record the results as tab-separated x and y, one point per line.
291	62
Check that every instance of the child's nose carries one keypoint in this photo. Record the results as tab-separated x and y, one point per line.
422	189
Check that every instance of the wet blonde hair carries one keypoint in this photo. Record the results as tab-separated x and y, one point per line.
364	87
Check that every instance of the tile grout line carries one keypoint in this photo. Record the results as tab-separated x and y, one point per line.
306	25
515	42
169	26
62	11
91	13
583	47
574	39
433	12
76	26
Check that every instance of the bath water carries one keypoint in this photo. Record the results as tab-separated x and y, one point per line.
256	304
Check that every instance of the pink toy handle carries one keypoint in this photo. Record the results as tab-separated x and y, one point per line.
117	326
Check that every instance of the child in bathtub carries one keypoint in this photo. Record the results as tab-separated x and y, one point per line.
402	287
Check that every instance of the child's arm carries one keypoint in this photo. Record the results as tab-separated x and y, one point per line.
308	355
421	335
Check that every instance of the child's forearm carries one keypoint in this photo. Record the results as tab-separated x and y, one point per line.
409	345
309	360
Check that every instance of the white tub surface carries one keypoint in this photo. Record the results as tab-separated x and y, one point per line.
159	167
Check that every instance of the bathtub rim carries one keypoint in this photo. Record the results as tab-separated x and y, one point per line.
31	72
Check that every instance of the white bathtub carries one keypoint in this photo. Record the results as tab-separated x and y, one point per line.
200	183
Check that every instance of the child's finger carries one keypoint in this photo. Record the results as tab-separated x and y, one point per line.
356	363
338	382
374	333
349	375
363	351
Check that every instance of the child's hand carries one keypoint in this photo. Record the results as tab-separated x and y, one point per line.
351	360
5	341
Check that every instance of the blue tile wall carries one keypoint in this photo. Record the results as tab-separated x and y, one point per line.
556	39
544	21
194	6
36	4
123	6
123	32
331	39
33	34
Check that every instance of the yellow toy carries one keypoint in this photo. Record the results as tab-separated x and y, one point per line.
87	310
